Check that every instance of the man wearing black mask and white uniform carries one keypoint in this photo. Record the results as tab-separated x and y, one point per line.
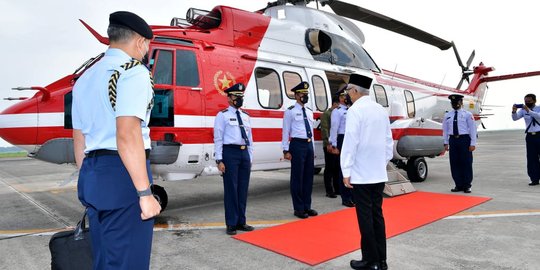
531	114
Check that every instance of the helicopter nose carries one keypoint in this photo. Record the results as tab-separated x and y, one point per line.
18	123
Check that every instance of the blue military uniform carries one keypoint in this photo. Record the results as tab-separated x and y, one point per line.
120	238
297	140
459	132
337	134
532	140
233	145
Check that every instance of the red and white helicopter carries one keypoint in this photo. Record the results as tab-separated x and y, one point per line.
194	59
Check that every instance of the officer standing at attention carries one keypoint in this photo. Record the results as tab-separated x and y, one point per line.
112	101
297	143
331	168
459	133
337	133
531	114
233	145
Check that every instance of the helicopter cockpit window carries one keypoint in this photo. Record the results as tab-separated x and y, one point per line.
163	68
380	95
409	99
268	88
319	88
291	80
187	72
345	53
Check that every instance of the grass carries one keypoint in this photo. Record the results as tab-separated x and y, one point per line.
13	154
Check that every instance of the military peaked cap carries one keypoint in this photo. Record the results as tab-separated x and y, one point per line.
360	80
132	22
236	90
301	88
455	97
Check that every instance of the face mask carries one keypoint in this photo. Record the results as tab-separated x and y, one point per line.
238	102
529	105
304	99
456	106
348	100
144	56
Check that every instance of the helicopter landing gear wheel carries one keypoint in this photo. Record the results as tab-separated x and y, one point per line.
161	196
417	169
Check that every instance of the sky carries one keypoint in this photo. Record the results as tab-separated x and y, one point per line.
43	41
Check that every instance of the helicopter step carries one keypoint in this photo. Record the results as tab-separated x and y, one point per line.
397	183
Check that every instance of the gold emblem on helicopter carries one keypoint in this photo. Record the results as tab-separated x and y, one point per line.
223	80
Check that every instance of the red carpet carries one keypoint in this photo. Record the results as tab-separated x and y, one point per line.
322	238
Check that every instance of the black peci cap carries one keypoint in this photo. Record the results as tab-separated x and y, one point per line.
360	80
236	90
301	88
132	22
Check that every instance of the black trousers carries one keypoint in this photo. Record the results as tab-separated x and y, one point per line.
368	199
302	166
461	160
346	193
533	156
331	173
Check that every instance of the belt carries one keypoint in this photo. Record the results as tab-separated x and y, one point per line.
457	136
301	140
533	133
106	152
236	146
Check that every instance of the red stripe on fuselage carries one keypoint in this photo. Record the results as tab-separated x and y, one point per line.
398	133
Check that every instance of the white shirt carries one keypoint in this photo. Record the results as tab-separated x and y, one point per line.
528	116
92	112
368	143
294	126
465	123
227	131
337	123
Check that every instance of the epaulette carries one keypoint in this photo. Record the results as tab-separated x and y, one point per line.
225	110
290	108
246	113
309	108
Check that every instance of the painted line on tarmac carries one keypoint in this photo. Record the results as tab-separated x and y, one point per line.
495	214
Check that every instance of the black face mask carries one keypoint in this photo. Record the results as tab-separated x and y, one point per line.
304	99
238	102
348	100
456	106
529	105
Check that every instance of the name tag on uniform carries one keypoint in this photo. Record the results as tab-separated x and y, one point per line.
299	117
233	122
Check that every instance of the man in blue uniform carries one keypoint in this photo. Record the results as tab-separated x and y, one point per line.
112	101
297	143
233	145
531	114
337	133
459	133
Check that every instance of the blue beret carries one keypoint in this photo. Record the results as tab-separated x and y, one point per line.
455	97
236	90
301	88
360	80
132	22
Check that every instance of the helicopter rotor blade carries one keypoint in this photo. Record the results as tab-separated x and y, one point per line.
367	16
471	57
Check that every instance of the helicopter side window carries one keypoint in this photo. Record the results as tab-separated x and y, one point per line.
409	99
187	72
163	69
291	80
268	88
380	95
319	88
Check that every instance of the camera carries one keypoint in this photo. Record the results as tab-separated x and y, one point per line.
520	106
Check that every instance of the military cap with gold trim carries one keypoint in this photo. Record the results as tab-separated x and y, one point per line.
236	90
455	97
301	88
342	91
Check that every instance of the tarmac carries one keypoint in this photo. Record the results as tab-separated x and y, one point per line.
503	233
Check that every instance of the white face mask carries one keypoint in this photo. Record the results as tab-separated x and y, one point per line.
145	51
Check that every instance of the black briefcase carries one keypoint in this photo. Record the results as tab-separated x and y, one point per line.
72	249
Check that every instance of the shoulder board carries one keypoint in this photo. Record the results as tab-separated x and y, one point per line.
245	113
225	110
290	108
309	108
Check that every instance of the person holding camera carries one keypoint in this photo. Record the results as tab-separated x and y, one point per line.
459	133
531	114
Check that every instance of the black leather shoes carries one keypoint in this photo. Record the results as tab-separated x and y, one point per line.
384	265
245	228
364	265
231	230
534	183
456	189
348	204
467	190
300	214
311	212
331	195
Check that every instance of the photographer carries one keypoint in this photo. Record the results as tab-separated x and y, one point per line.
531	114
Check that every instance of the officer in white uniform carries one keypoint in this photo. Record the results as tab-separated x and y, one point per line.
112	101
297	143
337	133
367	148
459	133
531	113
233	145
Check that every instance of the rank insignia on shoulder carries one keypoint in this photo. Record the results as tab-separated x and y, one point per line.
245	113
225	110
290	108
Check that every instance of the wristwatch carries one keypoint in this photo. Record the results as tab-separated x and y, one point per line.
218	161
146	192
285	152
